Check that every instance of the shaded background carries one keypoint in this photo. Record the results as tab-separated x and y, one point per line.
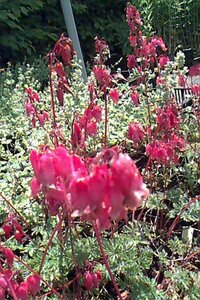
30	28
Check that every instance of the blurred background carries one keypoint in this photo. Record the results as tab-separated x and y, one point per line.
28	29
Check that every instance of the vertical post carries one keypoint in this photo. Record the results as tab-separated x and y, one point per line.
72	32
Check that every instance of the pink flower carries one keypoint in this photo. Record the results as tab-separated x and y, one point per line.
22	292
162	152
59	69
33	283
91	128
88	281
163	60
88	192
167	117
96	112
93	111
133	40
127	177
96	278
35	187
181	81
7	229
101	47
114	95
194	70
102	76
77	135
41	119
9	255
159	81
43	166
19	236
60	96
196	90
92	279
135	133
131	61
30	110
157	42
135	98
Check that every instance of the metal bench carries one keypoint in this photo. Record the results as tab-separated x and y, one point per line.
182	96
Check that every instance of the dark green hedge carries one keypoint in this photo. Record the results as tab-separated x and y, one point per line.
29	28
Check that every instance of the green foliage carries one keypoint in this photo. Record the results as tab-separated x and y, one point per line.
26	26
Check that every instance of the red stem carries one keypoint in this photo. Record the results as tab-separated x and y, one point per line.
74	261
52	97
15	210
176	220
98	236
106	119
11	288
49	244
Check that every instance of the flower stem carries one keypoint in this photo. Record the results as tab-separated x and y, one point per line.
52	97
48	245
99	241
15	210
176	220
11	288
106	120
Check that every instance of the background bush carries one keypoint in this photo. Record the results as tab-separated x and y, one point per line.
28	27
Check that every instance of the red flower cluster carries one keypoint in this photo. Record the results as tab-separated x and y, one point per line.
133	17
135	133
195	90
145	51
101	48
163	60
102	76
64	49
101	192
86	125
194	70
31	109
63	83
164	151
167	117
9	281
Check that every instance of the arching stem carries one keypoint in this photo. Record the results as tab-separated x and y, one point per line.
99	241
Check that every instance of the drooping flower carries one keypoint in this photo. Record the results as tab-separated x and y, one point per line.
163	60
22	291
135	133
135	98
167	117
131	61
127	177
102	76
33	283
114	95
